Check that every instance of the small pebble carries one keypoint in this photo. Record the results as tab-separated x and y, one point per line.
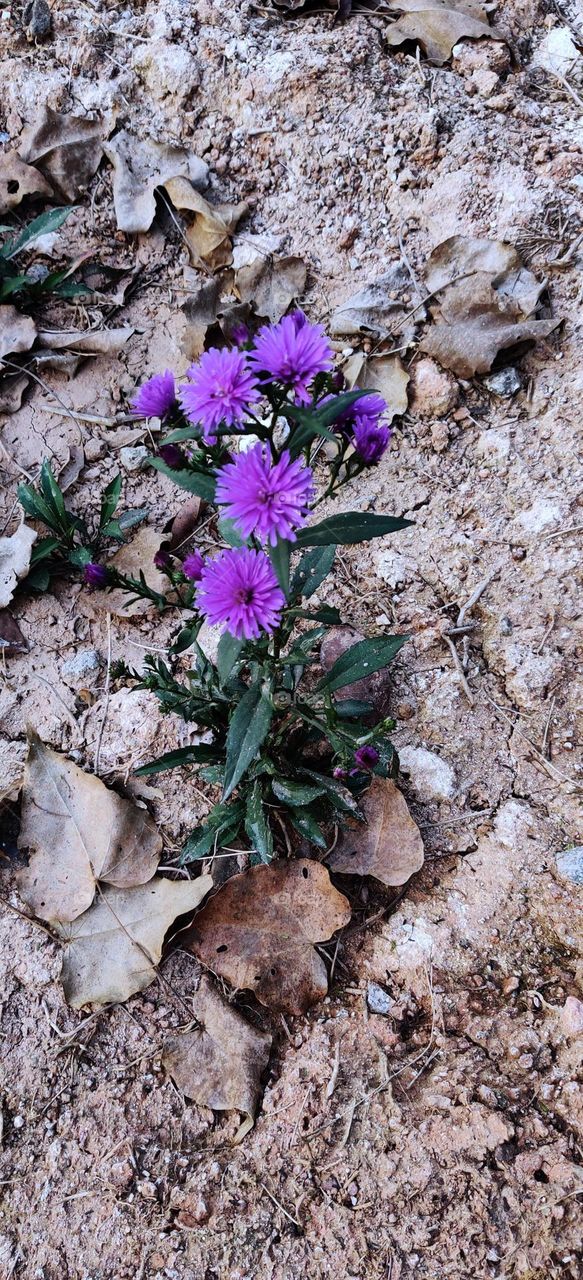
570	864
505	383
377	999
134	457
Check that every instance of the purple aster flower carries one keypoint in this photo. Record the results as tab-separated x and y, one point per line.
157	396
370	439
239	591
193	565
340	773
270	500
366	757
240	335
292	352
172	456
221	389
95	575
162	560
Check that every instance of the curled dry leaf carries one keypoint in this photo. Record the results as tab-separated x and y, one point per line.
11	393
259	929
382	308
221	1063
200	310
139	166
270	284
91	342
113	949
389	847
76	832
18	180
209	235
182	525
385	374
133	558
437	25
17	332
66	148
15	553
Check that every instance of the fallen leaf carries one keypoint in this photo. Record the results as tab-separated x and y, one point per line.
258	931
462	256
270	284
12	640
437	25
209	235
18	180
184	522
476	323
221	1063
389	847
89	342
133	558
15	554
66	148
140	165
76	832
382	308
11	392
385	374
17	332
113	949
72	469
200	310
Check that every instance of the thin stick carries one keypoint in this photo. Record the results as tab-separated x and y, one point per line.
462	675
106	707
280	1206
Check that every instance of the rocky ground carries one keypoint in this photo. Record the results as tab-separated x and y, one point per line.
441	1137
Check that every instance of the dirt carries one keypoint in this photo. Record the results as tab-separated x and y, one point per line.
442	1139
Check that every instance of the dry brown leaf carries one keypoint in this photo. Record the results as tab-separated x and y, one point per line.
140	165
66	148
89	342
76	832
200	310
258	932
11	638
18	180
15	553
385	374
270	284
221	1063
462	256
209	235
133	558
476	323
12	390
389	847
17	332
437	25
183	524
113	949
379	309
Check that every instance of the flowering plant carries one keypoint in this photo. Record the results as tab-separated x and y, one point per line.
244	432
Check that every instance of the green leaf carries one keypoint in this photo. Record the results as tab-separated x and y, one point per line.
34	505
350	527
324	613
295	794
352	708
228	651
52	494
230	533
197	482
338	794
213	773
248	729
39	579
256	824
182	433
185	638
109	501
314	566
279	556
80	556
220	827
316	421
362	659
306	824
40	226
199	754
43	548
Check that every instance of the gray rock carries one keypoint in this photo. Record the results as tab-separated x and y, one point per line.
505	383
38	20
86	662
570	864
134	457
377	999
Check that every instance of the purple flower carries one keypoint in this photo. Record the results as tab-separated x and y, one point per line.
172	456
370	439
366	757
292	352
162	560
95	575
270	500
240	335
157	396
192	566
340	773
240	592
221	389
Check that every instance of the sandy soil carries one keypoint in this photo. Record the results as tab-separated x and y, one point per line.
443	1141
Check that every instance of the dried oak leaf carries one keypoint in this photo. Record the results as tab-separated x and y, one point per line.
77	832
389	847
221	1063
133	558
437	25
18	180
209	235
259	929
270	284
67	149
140	165
17	332
15	553
382	308
385	374
462	256
113	949
477	322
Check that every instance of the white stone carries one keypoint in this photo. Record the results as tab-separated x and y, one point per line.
431	777
558	52
134	457
83	663
572	1017
377	999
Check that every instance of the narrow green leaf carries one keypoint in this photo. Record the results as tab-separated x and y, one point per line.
34	505
313	567
43	548
339	795
279	556
193	481
362	659
295	794
185	638
52	494
324	613
109	501
350	527
40	226
248	729
257	825
352	708
230	533
220	827
228	651
306	825
198	754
